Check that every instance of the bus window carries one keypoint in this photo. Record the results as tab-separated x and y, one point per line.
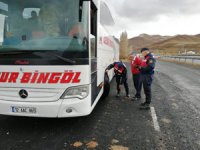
29	12
31	18
46	25
106	18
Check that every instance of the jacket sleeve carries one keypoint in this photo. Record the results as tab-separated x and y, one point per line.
110	66
138	62
150	66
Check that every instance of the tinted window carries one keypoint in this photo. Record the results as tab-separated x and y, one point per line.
37	25
105	15
106	19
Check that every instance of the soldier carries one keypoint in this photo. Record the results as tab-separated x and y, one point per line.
121	76
147	72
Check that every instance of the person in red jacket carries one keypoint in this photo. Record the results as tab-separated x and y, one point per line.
135	60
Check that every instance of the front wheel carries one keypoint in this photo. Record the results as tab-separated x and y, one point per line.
106	86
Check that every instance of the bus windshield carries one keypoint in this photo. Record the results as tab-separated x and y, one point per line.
58	27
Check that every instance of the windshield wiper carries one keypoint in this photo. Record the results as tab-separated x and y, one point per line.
65	59
13	52
17	52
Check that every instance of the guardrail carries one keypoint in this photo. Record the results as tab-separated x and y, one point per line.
191	59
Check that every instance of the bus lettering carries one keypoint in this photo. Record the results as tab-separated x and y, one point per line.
76	78
67	77
54	78
13	77
37	77
4	76
26	77
43	77
34	78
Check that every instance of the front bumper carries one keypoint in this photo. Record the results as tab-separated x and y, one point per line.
57	109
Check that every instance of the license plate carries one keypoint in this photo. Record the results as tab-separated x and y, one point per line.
26	110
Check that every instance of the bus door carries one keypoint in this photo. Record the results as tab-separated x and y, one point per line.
93	50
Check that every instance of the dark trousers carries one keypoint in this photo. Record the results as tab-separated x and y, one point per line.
120	80
147	82
137	84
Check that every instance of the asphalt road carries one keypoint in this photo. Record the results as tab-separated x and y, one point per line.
118	123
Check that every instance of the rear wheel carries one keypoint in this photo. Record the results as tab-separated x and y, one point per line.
106	86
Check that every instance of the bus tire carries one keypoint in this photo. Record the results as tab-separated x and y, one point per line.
106	86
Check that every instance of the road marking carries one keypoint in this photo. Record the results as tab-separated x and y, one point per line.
155	120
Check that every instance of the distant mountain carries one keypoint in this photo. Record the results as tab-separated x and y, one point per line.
198	35
168	44
178	43
144	40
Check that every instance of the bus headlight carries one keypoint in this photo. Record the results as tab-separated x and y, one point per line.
79	92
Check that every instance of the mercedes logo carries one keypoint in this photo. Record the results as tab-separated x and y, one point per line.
23	93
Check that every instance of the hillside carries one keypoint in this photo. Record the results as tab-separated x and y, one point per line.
144	40
177	44
166	44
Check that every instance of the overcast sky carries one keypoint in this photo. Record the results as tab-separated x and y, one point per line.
164	17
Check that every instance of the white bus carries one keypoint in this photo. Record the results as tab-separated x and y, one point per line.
53	56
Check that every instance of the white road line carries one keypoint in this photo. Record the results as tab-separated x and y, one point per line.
155	120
